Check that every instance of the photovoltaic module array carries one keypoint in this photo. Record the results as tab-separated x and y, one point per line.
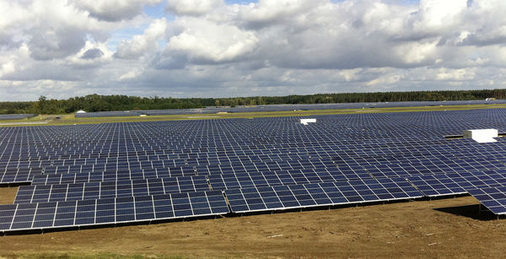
119	173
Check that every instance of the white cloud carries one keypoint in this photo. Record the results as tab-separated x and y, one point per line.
92	55
12	23
268	12
206	41
193	7
388	79
455	74
13	61
51	29
113	10
130	75
350	74
145	43
210	48
435	14
418	52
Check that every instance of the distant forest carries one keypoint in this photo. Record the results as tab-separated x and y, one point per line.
95	102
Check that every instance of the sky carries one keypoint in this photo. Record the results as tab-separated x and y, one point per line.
229	48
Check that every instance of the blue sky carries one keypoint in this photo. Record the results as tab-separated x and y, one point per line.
225	48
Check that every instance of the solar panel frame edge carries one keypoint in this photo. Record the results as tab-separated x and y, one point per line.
321	205
475	192
363	201
420	189
131	222
95	223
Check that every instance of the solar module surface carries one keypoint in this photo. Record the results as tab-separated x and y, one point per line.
83	175
15	116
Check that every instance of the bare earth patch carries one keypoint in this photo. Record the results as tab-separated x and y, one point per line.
438	228
8	194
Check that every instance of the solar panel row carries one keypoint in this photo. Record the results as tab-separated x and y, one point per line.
69	147
80	213
259	165
15	116
104	189
319	194
493	198
458	183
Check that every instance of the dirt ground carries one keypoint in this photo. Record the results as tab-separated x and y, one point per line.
8	194
451	227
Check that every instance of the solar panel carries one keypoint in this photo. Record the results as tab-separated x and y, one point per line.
47	215
109	173
457	183
15	116
493	198
319	194
436	185
110	189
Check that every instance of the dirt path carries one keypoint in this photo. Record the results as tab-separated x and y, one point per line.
439	228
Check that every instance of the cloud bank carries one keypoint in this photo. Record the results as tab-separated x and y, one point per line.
213	48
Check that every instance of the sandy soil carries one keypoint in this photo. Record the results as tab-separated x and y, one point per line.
8	194
439	228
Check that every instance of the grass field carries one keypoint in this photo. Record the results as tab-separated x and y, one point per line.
69	119
451	227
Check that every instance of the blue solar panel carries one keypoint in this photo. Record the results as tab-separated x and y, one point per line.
319	194
493	198
436	185
25	216
124	172
110	189
15	116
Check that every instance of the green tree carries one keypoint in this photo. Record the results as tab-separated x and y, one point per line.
42	104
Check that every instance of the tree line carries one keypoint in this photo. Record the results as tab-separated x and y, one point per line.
96	103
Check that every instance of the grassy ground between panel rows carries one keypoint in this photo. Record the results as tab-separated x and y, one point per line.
69	119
